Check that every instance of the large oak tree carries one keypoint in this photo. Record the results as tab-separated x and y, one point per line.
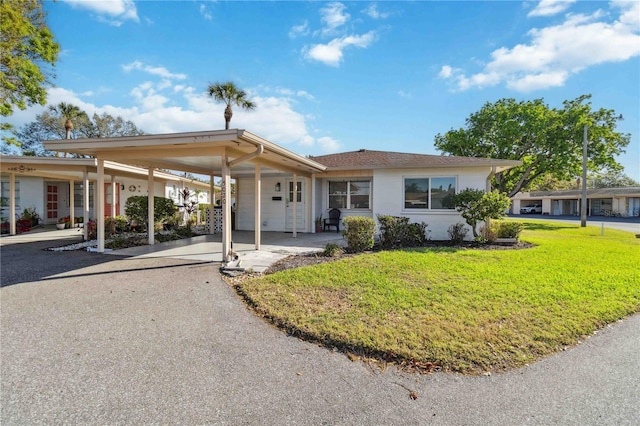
547	140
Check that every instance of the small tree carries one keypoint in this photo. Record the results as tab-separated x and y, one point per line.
477	206
136	208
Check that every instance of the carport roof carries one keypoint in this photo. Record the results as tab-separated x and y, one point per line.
195	152
74	168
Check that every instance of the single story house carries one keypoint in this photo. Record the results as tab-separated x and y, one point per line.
279	190
600	202
55	187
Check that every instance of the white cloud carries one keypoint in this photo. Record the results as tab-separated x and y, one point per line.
331	53
299	30
406	95
112	12
205	13
159	71
446	71
160	108
550	7
329	145
333	16
556	52
373	12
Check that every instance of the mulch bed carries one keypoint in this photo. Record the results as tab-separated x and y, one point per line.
297	261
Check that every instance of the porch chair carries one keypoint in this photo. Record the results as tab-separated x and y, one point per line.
333	220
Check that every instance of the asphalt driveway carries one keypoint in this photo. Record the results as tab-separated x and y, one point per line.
96	339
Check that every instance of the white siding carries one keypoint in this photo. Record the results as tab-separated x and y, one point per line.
273	212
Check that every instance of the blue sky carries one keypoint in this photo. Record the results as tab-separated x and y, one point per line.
340	76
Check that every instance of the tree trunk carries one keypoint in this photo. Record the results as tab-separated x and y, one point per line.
68	125
227	116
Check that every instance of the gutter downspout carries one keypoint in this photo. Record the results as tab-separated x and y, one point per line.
256	153
491	175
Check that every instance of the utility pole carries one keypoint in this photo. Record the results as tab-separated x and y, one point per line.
583	204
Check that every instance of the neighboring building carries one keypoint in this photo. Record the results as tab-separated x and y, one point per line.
600	202
44	183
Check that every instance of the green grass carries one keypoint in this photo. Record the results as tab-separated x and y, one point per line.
466	310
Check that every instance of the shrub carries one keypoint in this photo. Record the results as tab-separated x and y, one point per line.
488	234
332	250
396	232
506	229
359	232
136	208
477	206
457	233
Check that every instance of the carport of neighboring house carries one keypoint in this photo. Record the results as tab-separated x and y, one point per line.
233	153
67	186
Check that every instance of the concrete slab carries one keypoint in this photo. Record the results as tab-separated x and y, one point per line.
208	248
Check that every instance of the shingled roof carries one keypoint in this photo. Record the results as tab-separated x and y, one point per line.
368	159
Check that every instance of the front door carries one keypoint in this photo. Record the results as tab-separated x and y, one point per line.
107	199
301	224
52	202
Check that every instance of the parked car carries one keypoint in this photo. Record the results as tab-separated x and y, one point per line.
536	208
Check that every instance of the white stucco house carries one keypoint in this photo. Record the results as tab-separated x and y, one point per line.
45	185
362	182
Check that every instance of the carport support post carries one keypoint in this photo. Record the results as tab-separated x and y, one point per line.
113	196
295	205
258	214
100	213
212	202
313	202
150	217
85	203
225	199
72	203
12	204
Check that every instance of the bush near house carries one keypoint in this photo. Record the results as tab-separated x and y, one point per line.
359	232
396	232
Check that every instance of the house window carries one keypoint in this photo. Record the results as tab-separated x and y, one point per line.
350	194
78	194
429	193
5	198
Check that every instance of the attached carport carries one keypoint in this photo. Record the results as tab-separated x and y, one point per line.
225	153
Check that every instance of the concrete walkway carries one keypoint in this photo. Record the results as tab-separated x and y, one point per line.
208	248
204	248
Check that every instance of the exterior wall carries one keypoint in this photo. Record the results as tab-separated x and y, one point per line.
31	194
322	188
273	212
388	193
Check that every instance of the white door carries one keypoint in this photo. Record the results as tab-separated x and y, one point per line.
301	224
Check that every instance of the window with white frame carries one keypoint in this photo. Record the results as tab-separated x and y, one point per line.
5	198
78	194
429	193
350	194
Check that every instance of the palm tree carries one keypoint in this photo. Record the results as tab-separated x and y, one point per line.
68	112
230	95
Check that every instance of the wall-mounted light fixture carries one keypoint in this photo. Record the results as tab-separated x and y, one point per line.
278	187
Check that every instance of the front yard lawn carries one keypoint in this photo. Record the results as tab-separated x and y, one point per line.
464	310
